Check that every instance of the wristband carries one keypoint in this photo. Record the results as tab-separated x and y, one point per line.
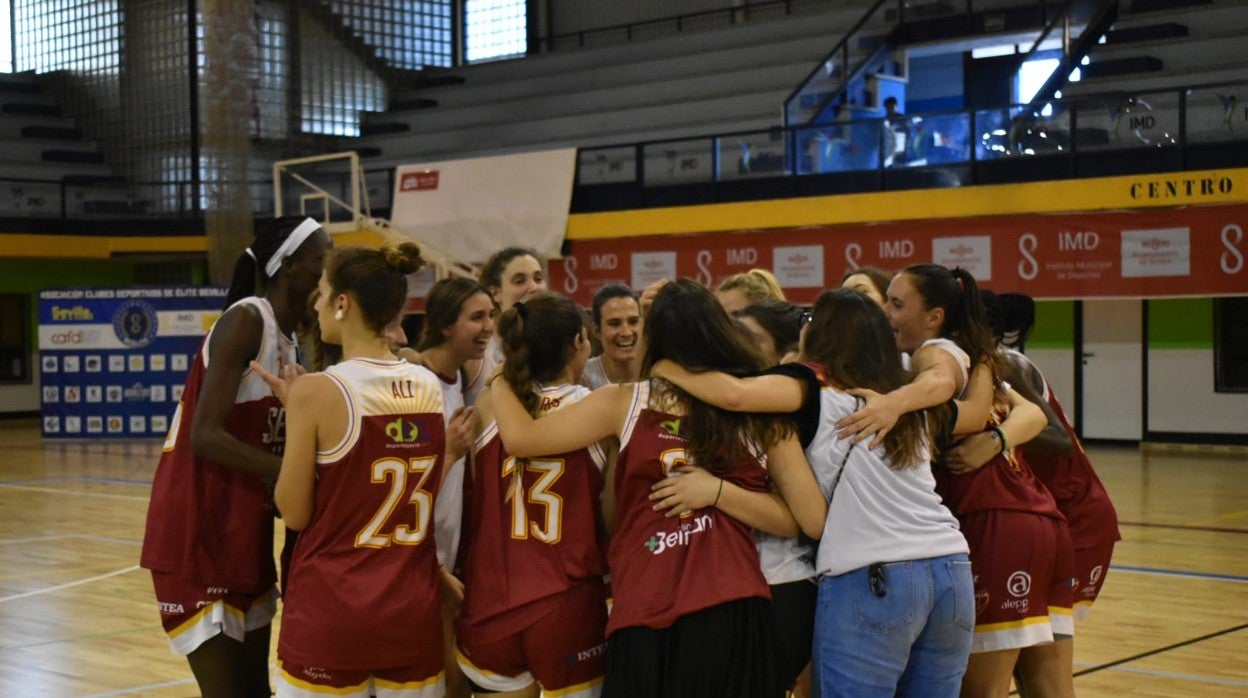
1001	437
720	492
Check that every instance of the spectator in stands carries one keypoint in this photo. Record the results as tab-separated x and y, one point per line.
894	134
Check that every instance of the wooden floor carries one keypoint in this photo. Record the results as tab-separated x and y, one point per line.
78	618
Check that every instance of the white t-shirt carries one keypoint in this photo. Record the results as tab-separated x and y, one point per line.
448	508
876	513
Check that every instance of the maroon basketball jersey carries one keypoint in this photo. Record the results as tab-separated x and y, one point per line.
664	568
363	589
1079	493
535	526
207	522
1003	483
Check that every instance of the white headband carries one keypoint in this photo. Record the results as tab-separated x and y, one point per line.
290	245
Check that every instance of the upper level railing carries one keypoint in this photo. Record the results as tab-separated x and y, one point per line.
939	149
946	144
676	24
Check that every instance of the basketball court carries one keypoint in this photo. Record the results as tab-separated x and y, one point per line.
78	616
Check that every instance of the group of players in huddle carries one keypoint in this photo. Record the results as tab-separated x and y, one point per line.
874	496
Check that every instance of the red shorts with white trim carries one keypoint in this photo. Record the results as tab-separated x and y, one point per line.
193	612
1091	564
297	681
563	650
1023	565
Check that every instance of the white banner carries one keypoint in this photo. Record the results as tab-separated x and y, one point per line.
470	209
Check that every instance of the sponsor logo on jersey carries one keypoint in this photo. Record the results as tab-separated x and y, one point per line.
1019	584
1019	606
671	426
662	541
586	655
402	431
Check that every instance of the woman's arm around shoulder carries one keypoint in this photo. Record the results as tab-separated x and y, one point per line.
691	488
766	393
594	418
1024	421
975	406
937	379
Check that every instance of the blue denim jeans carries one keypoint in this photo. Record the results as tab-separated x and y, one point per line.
901	628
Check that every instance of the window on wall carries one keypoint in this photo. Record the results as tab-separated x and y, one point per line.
406	34
495	29
1230	345
82	36
6	42
14	338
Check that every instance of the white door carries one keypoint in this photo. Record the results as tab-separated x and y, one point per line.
1113	370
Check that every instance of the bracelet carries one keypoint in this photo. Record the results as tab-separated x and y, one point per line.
1001	437
720	492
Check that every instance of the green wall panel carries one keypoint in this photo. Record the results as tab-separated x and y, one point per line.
1055	326
1180	323
33	275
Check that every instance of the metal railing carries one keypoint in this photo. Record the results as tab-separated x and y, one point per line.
934	149
948	144
676	24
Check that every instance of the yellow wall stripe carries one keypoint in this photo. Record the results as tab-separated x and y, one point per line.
1097	194
1071	195
103	246
95	247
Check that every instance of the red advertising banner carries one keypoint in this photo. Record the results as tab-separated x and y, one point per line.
1192	251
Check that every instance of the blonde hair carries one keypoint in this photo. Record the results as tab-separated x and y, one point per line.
757	285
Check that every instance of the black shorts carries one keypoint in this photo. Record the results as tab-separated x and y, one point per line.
725	651
793	607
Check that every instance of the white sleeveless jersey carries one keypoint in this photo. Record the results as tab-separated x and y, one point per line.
368	386
964	360
593	377
276	352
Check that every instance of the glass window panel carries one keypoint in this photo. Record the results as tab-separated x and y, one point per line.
679	162
752	155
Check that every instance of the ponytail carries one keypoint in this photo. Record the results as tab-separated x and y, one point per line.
243	282
538	336
966	321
